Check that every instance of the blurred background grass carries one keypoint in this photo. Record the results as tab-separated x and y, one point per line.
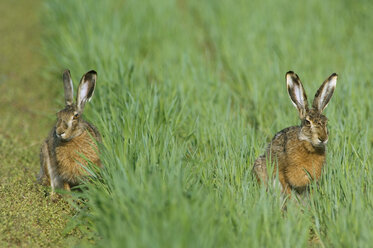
189	93
27	217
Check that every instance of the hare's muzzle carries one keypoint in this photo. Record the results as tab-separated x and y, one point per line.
60	134
323	140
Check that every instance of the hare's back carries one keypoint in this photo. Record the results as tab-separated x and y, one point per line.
93	131
281	140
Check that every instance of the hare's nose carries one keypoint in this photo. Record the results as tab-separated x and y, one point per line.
59	134
323	139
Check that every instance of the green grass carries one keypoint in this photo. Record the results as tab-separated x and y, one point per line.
188	95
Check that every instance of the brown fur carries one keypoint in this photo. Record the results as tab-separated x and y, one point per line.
72	141
298	152
69	156
294	171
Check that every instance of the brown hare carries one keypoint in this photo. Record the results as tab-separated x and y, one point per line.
298	152
72	141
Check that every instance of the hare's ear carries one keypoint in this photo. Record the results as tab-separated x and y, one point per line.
325	93
68	87
86	89
297	93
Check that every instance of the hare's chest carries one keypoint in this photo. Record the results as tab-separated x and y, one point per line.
304	167
74	155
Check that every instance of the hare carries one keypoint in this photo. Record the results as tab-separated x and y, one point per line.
298	152
72	141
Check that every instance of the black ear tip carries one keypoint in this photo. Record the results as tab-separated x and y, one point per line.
92	72
292	75
334	75
66	72
91	75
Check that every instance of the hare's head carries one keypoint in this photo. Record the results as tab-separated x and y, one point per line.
313	122
69	119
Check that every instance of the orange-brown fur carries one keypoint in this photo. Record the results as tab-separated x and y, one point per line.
294	171
73	154
298	153
72	142
69	156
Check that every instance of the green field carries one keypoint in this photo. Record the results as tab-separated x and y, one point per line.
188	95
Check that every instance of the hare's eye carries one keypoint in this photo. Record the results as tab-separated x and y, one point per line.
76	116
307	122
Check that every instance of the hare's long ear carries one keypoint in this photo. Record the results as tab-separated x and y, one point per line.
68	86
86	89
325	93
297	93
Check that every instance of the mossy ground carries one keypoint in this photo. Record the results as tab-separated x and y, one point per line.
27	217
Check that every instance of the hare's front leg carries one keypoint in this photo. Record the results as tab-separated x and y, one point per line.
66	186
43	177
50	168
260	169
286	188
